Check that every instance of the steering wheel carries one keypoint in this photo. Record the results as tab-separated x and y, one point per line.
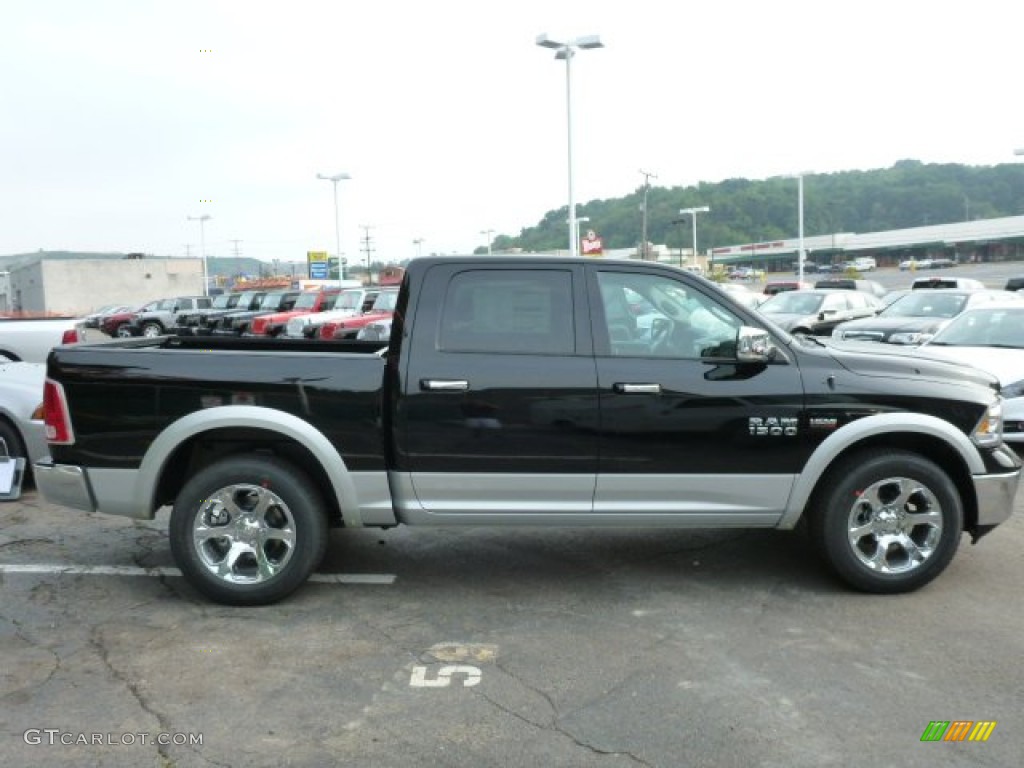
661	335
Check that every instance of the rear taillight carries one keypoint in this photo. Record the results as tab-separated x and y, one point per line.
259	326
70	337
55	415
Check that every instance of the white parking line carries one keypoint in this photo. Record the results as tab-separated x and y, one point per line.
129	570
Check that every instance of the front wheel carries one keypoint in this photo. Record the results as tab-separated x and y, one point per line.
887	521
123	331
152	330
248	530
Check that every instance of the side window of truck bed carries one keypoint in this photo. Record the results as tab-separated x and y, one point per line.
510	311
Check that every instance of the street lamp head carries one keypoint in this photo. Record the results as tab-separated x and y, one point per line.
588	42
1019	151
546	42
336	177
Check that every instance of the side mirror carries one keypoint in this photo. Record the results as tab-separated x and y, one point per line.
754	345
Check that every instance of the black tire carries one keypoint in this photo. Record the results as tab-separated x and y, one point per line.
293	513
887	521
123	331
15	445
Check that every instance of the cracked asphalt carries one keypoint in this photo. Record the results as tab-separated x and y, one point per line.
526	647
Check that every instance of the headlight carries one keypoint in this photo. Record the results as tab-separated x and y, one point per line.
989	431
914	337
1013	390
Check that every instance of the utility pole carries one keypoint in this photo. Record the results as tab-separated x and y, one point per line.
367	247
235	247
643	232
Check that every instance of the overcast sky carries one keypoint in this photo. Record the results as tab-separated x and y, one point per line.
121	119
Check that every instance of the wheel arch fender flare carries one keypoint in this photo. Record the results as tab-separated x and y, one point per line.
850	434
252	416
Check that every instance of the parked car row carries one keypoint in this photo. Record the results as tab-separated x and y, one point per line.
915	264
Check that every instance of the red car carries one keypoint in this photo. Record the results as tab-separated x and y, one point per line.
307	303
120	323
383	308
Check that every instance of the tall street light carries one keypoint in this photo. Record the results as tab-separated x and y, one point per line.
566	51
337	230
643	229
487	233
202	247
800	221
418	242
693	212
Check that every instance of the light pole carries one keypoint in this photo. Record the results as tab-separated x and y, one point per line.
643	230
566	51
800	222
337	230
202	247
693	212
487	233
418	242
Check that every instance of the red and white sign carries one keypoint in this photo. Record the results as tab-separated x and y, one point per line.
592	245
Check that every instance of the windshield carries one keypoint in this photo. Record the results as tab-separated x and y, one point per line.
272	301
348	300
926	304
306	300
792	303
386	301
248	298
984	328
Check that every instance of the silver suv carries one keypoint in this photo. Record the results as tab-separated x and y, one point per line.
157	321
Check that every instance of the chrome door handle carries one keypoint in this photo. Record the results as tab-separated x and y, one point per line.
637	389
444	385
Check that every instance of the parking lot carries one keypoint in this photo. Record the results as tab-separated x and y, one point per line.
486	647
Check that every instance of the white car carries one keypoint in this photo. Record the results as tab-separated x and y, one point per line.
21	412
350	302
31	339
991	339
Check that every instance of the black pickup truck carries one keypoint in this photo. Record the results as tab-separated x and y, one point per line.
530	391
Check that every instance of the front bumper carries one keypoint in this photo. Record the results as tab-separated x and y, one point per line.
995	494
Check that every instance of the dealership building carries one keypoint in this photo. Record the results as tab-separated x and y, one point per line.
981	241
48	282
984	240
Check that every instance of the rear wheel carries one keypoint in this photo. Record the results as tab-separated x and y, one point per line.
123	331
248	530
152	330
14	444
887	522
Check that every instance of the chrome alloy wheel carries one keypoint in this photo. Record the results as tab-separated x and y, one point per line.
244	534
895	525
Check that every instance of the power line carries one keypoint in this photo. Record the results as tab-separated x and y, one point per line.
648	175
367	245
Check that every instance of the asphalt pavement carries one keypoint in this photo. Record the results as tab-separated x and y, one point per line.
489	647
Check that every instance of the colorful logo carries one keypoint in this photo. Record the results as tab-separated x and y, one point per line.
958	730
